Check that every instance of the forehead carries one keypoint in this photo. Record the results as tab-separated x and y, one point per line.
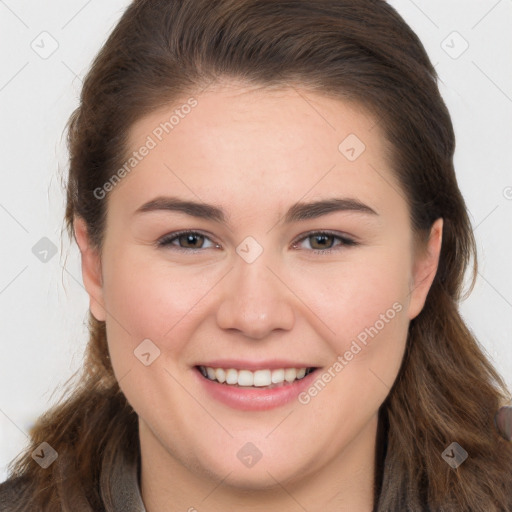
297	117
246	144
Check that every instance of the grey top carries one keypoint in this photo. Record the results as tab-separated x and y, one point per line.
120	491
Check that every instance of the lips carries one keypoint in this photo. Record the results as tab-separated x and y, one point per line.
251	397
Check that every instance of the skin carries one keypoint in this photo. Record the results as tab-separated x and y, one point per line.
255	152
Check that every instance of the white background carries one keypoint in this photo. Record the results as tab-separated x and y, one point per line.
43	305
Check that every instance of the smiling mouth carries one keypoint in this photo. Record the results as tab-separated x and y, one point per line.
265	378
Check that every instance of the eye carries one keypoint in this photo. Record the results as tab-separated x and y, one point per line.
324	241
186	241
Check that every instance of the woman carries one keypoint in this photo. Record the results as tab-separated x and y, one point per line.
305	351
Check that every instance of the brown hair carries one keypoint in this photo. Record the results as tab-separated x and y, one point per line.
354	50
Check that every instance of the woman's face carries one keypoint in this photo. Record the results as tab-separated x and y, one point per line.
257	286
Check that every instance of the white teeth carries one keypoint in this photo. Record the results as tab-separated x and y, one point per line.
220	375
258	378
277	376
262	378
290	374
231	376
245	378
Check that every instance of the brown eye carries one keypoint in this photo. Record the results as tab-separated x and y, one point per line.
321	241
191	241
185	240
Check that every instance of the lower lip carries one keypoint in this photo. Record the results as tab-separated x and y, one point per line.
255	399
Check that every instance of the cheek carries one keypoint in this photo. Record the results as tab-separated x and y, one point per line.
154	299
363	303
148	299
350	296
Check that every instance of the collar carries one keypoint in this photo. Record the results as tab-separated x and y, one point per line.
119	483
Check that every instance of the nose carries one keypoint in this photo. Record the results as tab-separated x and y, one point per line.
255	300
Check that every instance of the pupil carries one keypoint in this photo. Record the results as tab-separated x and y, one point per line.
324	237
190	238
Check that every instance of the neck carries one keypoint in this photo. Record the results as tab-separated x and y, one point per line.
344	484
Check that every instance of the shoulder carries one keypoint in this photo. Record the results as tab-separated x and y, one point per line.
13	494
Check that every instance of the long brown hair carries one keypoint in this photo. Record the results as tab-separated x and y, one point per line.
353	50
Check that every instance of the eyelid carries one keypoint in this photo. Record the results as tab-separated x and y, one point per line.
346	240
166	240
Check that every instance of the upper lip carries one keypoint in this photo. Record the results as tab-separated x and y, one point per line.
240	364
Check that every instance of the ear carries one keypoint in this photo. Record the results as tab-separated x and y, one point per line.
91	270
426	261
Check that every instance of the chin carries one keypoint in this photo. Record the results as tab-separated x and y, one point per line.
265	474
253	480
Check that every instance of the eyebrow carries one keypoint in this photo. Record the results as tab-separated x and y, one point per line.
297	212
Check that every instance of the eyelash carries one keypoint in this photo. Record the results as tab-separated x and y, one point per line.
345	241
